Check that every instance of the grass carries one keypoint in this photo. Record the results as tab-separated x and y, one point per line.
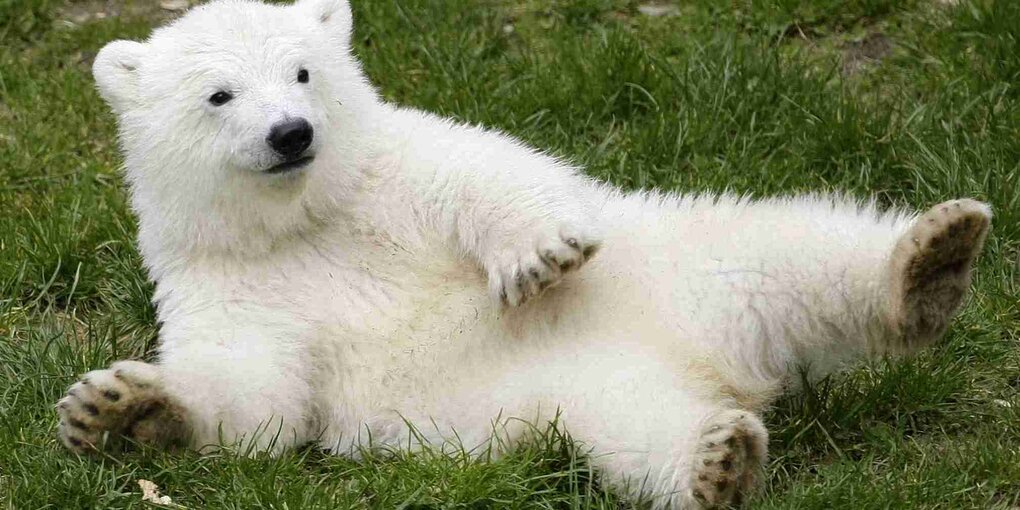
749	96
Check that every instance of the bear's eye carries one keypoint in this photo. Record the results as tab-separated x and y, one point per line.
302	76
220	98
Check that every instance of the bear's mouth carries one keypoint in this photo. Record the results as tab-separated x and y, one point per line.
287	166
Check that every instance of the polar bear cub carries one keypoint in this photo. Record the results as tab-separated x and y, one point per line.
330	268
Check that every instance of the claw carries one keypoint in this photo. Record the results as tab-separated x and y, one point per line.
534	272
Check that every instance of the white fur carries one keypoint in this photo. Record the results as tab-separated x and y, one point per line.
338	301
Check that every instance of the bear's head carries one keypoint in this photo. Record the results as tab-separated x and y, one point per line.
238	121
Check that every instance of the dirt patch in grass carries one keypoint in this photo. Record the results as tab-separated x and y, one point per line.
76	14
857	55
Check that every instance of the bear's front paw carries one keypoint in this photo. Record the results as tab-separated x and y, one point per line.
518	275
125	401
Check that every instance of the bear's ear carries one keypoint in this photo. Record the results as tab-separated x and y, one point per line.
334	15
116	73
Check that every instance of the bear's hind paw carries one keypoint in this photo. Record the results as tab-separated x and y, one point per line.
930	269
728	459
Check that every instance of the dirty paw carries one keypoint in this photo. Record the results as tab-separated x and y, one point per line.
518	276
930	268
728	459
125	401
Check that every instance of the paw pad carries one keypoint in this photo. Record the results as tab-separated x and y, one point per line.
107	406
930	269
728	459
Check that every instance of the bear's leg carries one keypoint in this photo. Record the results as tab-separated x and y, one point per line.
851	286
255	393
699	456
125	401
902	301
198	395
929	271
661	435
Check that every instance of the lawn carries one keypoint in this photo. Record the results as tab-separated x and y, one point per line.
912	101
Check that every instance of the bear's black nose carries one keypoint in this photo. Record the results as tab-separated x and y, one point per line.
291	137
